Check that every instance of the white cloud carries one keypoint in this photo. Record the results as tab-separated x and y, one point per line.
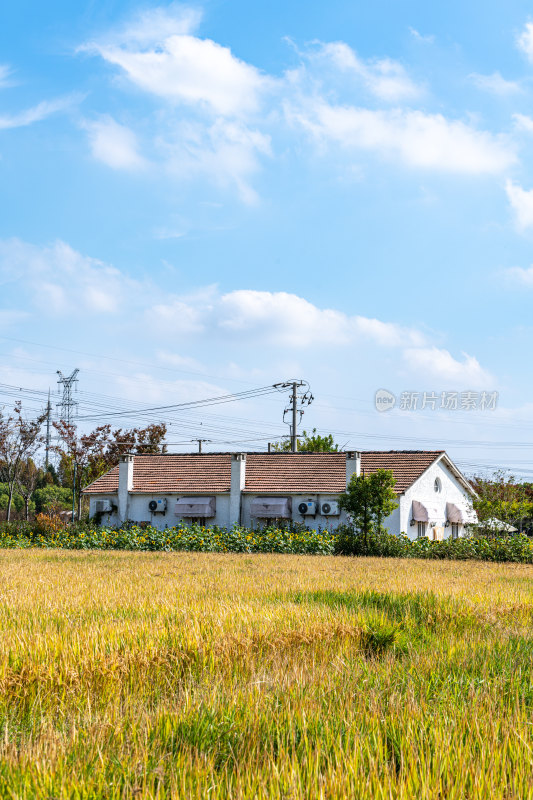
156	24
523	123
142	388
425	38
288	322
177	317
525	41
215	109
114	144
385	78
186	69
36	113
432	362
521	202
428	141
521	275
277	318
60	281
225	152
5	72
495	83
210	138
176	360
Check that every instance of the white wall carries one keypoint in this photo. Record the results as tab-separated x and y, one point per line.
138	510
423	490
398	522
392	523
318	521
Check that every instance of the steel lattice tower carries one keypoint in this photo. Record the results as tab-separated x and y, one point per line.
67	405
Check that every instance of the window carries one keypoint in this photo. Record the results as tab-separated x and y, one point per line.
421	528
455	530
438	485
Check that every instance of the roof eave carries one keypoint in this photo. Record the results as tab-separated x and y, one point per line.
459	475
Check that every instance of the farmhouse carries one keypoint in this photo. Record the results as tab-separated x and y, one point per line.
434	498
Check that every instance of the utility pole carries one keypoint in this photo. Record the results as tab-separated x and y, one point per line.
297	402
73	492
47	446
67	405
294	404
200	442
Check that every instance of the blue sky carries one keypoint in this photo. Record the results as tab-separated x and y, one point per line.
199	199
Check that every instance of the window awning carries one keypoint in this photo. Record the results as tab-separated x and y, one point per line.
460	514
426	512
195	507
271	507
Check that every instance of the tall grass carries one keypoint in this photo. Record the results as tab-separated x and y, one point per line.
198	675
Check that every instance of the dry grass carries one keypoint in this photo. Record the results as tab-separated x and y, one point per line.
236	676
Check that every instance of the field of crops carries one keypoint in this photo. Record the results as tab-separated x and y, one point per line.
206	675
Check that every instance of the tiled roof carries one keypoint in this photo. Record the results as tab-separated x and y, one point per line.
105	484
265	473
177	472
295	472
406	465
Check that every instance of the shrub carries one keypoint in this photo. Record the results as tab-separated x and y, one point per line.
52	531
51	496
349	542
46	525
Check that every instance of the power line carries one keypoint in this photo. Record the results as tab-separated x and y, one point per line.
226	398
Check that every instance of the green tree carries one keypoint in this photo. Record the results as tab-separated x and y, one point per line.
309	443
49	497
368	500
83	458
501	498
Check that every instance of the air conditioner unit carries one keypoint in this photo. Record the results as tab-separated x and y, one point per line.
330	508
307	507
103	506
158	506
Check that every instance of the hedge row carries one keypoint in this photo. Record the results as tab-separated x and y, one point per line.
184	537
517	548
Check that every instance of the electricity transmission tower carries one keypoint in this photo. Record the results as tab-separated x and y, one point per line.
67	405
297	401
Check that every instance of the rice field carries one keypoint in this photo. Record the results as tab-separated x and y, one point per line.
207	675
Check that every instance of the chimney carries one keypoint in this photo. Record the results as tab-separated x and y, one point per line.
353	465
238	479
125	484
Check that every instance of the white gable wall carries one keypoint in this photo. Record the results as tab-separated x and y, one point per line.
423	490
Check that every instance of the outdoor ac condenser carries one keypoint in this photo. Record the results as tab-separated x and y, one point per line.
330	508
307	507
158	506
